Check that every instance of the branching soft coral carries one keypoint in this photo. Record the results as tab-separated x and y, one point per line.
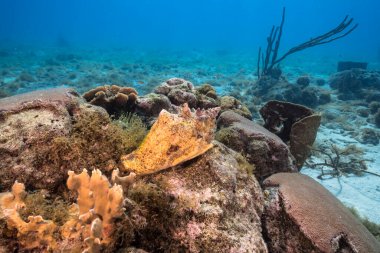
89	226
340	161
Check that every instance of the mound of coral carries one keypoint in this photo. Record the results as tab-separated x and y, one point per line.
113	98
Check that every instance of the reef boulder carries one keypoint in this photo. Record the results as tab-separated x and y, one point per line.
211	204
152	104
28	124
302	216
28	121
353	83
262	148
229	103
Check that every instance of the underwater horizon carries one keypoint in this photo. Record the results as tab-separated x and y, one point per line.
189	126
213	25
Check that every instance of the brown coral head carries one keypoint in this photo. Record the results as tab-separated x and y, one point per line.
128	90
113	98
114	89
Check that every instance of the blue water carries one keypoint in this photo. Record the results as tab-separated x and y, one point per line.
199	24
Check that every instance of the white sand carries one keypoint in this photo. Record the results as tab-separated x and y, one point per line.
360	192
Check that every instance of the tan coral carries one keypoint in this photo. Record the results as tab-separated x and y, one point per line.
92	218
81	184
33	234
173	139
93	241
14	199
98	199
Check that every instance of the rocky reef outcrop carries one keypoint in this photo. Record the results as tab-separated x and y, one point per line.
27	123
268	88
302	216
177	91
212	204
46	133
357	84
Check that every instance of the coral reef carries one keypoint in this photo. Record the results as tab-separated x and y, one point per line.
266	151
47	133
268	88
180	91
173	139
356	84
297	211
113	98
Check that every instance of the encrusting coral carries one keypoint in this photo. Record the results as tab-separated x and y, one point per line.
90	225
173	139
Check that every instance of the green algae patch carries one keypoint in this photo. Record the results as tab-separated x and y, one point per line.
37	203
244	165
95	142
